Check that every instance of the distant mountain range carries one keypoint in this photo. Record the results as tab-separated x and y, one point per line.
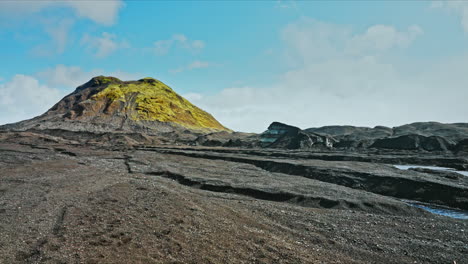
453	132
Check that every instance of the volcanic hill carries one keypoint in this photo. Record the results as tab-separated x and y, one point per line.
107	104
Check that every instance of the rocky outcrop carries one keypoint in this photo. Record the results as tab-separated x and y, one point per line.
352	133
284	136
442	136
461	146
451	132
413	142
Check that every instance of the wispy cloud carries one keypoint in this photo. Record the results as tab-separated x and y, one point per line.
286	4
383	37
163	47
55	24
193	65
59	31
101	12
104	45
313	40
460	8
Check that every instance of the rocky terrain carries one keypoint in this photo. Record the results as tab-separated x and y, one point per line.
72	203
130	172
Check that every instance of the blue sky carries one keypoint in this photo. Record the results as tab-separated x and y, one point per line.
249	63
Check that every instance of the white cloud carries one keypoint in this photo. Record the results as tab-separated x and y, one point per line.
382	38
198	65
24	97
460	8
196	45
327	85
101	12
192	66
311	40
59	34
71	77
286	4
105	45
193	97
58	24
58	30
162	47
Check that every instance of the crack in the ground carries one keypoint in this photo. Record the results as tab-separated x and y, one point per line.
397	187
293	198
127	160
57	228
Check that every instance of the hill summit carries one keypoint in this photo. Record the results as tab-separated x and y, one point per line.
104	104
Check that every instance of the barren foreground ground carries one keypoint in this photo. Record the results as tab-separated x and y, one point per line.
75	204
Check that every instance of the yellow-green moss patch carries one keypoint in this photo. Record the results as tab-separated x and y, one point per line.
151	100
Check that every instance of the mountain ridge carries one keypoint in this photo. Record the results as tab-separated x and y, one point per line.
453	131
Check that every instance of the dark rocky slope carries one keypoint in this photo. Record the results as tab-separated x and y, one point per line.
426	136
414	142
279	135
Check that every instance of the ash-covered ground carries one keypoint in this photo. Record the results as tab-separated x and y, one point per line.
65	202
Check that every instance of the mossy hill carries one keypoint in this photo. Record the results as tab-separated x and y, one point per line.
149	99
107	104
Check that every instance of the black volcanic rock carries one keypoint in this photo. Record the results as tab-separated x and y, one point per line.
461	146
351	136
284	136
452	132
352	133
429	136
413	142
441	173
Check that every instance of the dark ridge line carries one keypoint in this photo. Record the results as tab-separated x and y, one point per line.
295	199
65	152
451	162
388	186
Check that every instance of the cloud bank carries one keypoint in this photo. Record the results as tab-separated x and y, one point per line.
338	76
24	97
